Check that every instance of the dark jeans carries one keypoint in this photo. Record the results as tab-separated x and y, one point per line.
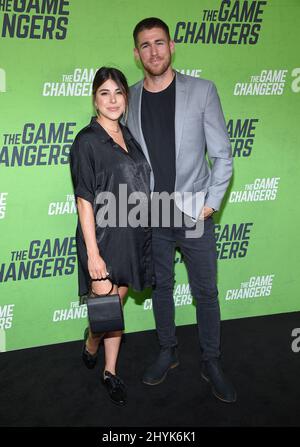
201	263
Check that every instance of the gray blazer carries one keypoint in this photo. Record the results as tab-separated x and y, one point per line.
199	124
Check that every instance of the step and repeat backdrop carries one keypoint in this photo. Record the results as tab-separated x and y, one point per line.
49	52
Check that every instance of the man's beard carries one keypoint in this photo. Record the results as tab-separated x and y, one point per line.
160	70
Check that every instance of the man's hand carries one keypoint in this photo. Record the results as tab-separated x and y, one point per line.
206	213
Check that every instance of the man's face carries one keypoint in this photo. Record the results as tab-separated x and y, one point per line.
154	50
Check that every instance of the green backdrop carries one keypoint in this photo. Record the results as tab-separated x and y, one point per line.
49	51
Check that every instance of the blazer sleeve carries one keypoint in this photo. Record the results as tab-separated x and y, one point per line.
82	169
218	149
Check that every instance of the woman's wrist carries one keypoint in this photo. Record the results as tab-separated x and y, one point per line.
93	252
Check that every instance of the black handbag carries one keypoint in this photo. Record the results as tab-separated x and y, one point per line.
105	312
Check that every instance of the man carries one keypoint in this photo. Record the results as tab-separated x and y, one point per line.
175	118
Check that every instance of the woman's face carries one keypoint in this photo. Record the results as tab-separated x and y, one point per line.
109	100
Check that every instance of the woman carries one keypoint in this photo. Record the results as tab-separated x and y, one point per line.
104	156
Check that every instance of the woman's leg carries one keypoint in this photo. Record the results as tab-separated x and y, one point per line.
113	339
93	341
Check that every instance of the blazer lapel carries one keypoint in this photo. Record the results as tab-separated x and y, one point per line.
180	108
137	108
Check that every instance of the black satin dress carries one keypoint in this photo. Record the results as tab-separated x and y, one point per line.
98	167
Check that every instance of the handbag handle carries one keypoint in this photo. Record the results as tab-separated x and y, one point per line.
104	294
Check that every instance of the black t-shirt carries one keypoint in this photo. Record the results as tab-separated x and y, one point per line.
158	125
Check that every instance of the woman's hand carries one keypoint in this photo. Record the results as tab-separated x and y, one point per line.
97	267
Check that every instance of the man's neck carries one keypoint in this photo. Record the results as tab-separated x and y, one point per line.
158	83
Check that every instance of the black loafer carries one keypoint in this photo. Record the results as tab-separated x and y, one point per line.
115	388
90	360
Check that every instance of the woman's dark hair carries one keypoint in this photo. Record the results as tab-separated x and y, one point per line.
105	73
149	23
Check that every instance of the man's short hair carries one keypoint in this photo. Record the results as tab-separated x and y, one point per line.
149	23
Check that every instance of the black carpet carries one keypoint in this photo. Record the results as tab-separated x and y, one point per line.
49	386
